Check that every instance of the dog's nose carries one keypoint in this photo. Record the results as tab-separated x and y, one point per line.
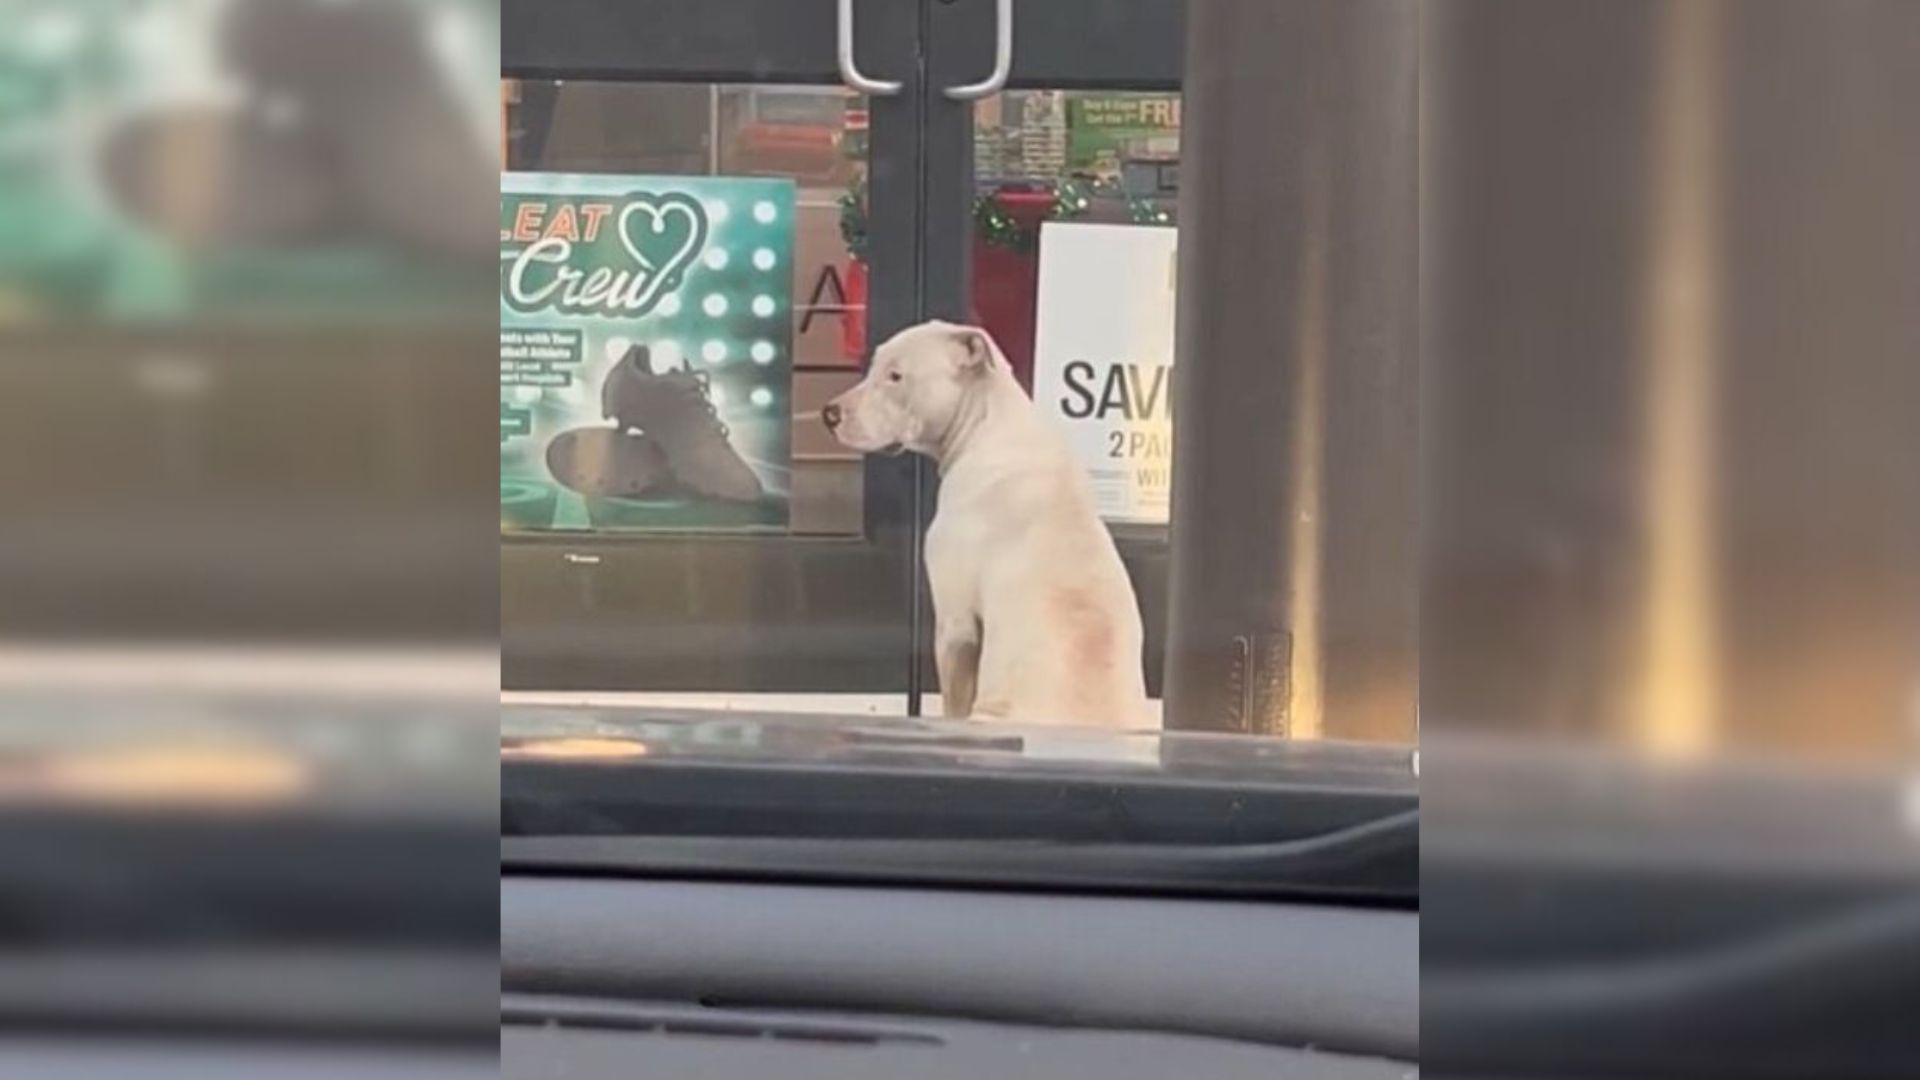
830	414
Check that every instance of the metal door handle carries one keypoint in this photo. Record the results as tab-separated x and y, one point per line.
1002	58
849	70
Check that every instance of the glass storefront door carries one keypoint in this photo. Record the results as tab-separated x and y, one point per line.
742	553
1052	205
1014	173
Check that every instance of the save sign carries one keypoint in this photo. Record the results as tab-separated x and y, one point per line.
1103	356
583	255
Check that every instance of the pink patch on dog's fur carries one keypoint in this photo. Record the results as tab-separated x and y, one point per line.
1090	634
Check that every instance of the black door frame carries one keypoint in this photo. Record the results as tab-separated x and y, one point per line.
1120	45
556	629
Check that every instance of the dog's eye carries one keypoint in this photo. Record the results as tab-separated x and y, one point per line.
894	375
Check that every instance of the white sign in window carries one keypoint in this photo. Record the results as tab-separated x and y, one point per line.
1103	358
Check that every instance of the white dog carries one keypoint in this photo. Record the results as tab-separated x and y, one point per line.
1035	620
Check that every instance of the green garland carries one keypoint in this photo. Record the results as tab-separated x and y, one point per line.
853	219
995	225
1073	197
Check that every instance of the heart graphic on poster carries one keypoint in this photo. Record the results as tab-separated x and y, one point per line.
664	235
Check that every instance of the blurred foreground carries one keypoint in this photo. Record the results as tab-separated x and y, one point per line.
247	570
1670	643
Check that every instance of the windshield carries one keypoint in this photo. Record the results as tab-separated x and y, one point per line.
853	411
839	440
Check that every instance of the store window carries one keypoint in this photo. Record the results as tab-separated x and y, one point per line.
766	326
1074	215
1074	273
1045	211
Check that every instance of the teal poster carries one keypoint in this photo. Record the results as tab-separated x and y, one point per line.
645	352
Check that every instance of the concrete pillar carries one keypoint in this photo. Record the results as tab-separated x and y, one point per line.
1293	583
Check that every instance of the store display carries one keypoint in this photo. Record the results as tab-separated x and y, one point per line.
646	350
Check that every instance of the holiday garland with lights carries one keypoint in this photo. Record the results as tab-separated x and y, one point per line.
996	225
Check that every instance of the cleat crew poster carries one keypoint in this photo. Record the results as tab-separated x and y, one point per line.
678	289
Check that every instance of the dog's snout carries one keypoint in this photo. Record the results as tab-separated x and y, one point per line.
830	414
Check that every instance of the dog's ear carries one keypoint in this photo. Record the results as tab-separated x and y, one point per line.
976	351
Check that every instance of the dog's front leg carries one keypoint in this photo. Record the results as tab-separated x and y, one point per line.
953	575
957	655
